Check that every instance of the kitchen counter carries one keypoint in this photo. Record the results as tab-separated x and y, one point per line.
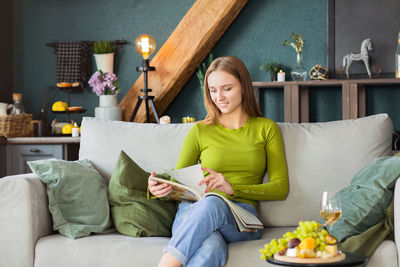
43	140
16	151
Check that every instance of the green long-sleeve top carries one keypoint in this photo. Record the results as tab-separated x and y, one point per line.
242	155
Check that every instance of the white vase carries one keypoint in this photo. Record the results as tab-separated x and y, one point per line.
108	108
105	62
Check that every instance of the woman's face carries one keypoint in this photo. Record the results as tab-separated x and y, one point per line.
225	91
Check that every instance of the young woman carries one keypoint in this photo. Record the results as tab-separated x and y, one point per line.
235	146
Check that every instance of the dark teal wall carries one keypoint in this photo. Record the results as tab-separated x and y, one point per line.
255	36
5	51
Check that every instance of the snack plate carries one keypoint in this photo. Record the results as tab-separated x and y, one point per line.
337	258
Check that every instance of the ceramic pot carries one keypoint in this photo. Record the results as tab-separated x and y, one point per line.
105	62
273	76
108	108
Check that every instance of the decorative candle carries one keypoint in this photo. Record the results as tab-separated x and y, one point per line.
188	119
165	120
75	130
281	76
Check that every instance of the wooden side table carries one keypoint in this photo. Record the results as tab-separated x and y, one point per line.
351	260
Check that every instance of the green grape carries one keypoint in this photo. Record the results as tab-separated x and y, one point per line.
304	229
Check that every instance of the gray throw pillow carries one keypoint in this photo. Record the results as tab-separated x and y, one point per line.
77	196
364	201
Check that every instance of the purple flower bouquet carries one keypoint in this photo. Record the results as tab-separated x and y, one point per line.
104	83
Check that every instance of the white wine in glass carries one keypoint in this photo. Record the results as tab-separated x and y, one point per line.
331	208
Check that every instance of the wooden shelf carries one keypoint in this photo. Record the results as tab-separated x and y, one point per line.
296	95
329	82
80	111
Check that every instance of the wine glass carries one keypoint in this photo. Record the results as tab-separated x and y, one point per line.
331	208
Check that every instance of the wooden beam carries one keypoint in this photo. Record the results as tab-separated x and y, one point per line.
184	50
353	101
304	104
362	102
287	95
345	101
295	103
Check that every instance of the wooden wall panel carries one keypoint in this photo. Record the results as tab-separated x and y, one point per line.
184	50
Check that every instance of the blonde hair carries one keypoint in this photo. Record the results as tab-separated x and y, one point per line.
235	67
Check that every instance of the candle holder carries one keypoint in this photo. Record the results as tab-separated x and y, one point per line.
145	45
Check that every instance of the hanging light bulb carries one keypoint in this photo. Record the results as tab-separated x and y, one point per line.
145	45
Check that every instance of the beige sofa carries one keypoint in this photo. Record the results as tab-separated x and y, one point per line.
320	156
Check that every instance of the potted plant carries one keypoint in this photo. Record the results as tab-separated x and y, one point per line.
104	55
273	68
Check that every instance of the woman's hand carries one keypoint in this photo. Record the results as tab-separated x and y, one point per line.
158	189
216	181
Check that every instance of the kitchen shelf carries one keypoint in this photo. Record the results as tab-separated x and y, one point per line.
77	89
71	112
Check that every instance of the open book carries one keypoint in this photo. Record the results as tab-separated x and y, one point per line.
188	190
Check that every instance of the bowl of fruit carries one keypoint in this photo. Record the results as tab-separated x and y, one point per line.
308	243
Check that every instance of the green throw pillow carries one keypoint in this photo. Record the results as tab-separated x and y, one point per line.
364	201
133	213
77	196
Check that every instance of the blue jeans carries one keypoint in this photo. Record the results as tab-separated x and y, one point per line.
202	229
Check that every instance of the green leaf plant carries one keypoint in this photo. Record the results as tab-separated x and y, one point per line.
202	69
103	47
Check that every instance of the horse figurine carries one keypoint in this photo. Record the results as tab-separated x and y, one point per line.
349	58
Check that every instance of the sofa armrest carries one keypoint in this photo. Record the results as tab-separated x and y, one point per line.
384	255
24	218
397	218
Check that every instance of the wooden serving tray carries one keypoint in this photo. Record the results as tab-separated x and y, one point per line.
337	258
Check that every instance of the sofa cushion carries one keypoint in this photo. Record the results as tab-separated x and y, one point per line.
104	250
332	152
153	147
324	156
364	201
100	250
131	209
77	196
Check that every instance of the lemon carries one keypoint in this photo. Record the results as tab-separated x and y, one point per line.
67	129
59	106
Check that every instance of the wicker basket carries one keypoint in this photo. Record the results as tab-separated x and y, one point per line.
16	125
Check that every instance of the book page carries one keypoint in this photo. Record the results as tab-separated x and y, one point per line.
190	176
248	219
179	191
242	216
240	225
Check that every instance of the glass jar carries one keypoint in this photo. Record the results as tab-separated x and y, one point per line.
299	73
16	108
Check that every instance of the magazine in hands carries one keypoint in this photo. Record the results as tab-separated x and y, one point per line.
188	189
